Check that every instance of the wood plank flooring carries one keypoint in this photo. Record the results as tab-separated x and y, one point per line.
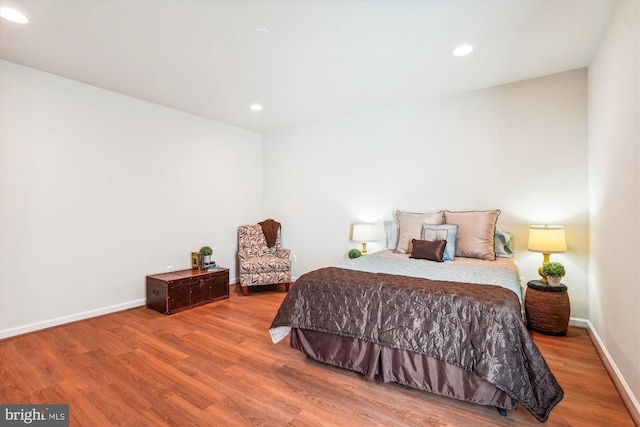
216	366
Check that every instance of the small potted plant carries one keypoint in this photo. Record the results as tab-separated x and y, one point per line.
553	272
354	253
206	253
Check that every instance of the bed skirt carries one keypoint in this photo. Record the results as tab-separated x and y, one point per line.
400	366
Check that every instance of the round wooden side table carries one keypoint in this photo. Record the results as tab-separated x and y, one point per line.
547	308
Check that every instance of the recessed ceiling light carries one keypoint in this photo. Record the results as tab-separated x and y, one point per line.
462	50
261	33
256	107
13	15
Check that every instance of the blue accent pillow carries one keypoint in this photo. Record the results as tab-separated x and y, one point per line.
452	233
391	230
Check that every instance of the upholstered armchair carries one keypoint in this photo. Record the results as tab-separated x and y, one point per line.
260	263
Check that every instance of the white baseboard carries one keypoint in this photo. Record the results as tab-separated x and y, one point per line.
581	323
36	326
10	332
611	368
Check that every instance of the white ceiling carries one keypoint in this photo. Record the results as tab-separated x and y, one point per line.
323	58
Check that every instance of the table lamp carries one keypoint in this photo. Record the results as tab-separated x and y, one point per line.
364	233
547	239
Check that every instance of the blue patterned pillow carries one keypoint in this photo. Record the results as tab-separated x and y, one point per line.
429	232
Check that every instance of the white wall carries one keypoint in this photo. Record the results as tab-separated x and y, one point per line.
614	193
520	148
98	190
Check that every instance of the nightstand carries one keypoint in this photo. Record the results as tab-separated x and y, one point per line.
547	308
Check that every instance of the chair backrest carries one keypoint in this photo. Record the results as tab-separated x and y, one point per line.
251	242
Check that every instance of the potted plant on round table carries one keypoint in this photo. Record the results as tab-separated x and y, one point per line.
206	253
553	272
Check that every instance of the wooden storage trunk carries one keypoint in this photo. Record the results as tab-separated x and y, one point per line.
184	289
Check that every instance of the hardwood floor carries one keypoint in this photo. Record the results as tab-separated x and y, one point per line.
216	366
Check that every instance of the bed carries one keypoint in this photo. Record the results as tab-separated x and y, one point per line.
452	327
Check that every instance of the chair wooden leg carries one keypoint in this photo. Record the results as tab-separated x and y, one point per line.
286	286
245	290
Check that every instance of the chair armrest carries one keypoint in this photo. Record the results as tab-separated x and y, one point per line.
283	253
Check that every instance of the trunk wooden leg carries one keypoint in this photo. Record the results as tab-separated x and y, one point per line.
245	290
286	286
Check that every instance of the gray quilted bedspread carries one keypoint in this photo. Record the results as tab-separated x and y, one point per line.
478	328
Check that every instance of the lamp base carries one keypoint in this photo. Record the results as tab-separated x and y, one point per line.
364	248
545	260
543	278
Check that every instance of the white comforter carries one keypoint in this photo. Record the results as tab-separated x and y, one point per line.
502	272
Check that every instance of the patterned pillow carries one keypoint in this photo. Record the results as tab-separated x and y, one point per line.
503	243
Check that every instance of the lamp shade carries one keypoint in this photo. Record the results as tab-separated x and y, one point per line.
547	239
363	233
